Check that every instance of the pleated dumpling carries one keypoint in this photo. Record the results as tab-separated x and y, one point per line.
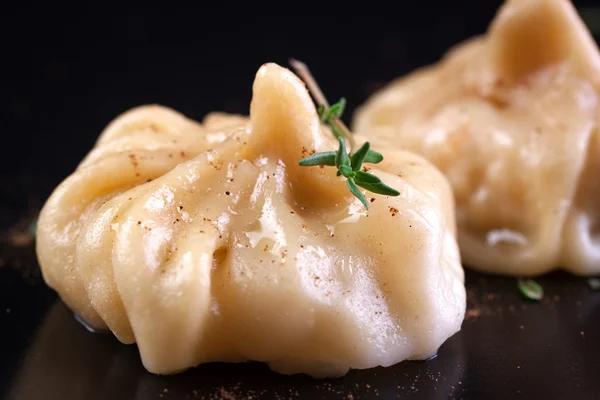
208	242
511	118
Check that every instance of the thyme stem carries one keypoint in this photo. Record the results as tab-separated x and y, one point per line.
304	73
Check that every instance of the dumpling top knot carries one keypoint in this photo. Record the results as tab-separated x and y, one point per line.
528	36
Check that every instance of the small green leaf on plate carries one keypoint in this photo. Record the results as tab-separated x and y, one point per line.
594	283
530	289
32	230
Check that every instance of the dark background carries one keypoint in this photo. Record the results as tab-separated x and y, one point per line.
67	75
64	74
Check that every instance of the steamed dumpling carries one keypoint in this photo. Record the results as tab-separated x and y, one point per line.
511	119
207	242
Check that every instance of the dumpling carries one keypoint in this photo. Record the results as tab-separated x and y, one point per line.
511	118
208	242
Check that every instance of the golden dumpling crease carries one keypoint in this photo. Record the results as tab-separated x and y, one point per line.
511	118
207	242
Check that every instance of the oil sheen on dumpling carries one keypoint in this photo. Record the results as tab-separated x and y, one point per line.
207	242
511	119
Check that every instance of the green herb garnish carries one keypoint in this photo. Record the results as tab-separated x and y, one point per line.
530	289
349	165
32	229
594	283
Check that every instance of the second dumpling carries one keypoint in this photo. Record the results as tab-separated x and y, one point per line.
511	118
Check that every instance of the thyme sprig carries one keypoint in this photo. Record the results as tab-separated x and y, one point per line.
348	164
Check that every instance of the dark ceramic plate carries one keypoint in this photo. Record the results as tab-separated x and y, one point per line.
65	78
